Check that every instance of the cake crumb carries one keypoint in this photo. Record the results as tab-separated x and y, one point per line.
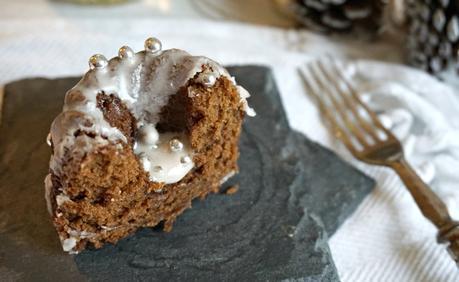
232	190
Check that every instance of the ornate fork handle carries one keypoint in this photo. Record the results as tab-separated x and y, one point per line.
431	206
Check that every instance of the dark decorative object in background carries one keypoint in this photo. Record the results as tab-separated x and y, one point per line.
433	34
339	15
431	26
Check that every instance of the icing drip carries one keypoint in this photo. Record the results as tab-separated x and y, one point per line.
226	177
61	199
75	236
48	188
68	244
244	94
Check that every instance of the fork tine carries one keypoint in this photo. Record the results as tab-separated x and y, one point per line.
337	129
348	101
356	98
350	125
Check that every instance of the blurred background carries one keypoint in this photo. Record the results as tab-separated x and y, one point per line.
251	11
420	33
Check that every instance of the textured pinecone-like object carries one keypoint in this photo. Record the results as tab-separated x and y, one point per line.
339	15
433	37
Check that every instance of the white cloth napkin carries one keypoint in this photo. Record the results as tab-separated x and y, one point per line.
395	242
386	239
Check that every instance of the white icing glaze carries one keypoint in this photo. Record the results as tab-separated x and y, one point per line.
244	94
48	190
60	199
48	139
106	228
78	235
228	176
164	161
68	244
75	236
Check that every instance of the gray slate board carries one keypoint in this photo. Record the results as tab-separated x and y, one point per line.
292	193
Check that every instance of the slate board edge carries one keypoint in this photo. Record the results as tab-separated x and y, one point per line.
369	182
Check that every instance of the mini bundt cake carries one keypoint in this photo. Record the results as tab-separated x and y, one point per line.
140	136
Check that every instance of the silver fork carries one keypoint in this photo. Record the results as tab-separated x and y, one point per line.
360	130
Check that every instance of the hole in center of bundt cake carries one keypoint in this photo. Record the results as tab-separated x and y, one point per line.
163	149
173	115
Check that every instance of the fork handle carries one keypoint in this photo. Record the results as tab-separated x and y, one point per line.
431	206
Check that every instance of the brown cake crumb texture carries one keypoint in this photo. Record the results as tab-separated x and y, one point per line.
111	195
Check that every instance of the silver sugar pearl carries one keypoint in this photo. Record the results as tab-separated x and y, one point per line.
48	139
97	61
185	160
148	134
152	45
158	169
175	145
208	80
125	52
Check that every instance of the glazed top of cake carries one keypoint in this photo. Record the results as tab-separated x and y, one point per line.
144	81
